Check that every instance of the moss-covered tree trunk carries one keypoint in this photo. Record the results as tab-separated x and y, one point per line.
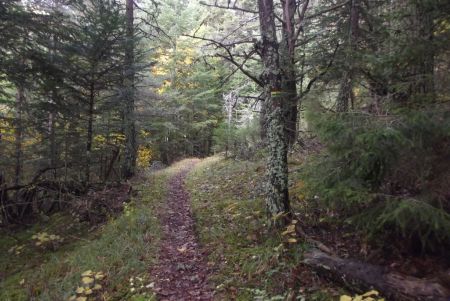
277	199
129	163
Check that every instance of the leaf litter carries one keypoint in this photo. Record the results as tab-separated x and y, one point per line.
182	271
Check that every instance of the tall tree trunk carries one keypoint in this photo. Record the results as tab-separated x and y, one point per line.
413	29
277	198
346	88
52	136
20	97
53	100
288	75
263	119
87	167
129	164
422	34
345	91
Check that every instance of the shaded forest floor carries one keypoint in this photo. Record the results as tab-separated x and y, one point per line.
250	262
192	230
129	256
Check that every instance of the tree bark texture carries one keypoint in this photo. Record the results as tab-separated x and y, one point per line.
20	97
288	75
422	32
129	163
277	199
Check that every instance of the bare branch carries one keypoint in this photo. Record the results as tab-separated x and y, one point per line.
229	57
233	7
301	18
327	10
241	68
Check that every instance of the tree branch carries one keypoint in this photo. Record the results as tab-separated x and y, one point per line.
312	81
234	7
230	57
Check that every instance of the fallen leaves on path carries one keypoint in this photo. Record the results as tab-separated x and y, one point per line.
182	272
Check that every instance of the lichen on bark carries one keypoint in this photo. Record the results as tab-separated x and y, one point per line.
277	201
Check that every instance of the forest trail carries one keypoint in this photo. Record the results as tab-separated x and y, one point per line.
181	273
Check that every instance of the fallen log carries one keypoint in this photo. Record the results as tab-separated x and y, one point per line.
362	277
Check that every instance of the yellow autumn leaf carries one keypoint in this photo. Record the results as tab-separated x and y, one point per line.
369	299
22	282
81	299
88	291
99	276
292	240
371	293
358	298
87	280
97	287
277	216
182	249
87	273
345	298
79	290
289	229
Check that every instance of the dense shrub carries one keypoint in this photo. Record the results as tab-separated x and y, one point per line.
389	174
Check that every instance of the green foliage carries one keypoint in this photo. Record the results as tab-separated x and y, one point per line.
243	141
191	105
122	248
412	219
388	173
251	262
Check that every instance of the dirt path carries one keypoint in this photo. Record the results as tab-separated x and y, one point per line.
181	273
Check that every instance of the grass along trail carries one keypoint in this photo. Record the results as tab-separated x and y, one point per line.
181	272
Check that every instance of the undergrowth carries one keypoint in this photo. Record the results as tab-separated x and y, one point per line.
387	175
249	261
122	248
